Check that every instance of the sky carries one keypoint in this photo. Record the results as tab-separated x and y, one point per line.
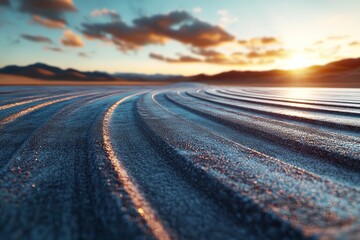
178	37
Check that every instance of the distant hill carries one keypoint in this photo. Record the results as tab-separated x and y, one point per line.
47	72
343	73
342	65
43	71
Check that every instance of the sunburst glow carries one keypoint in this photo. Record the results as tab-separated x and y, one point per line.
297	62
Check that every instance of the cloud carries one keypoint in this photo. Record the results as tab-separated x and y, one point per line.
157	57
210	53
48	22
262	50
269	40
212	56
35	38
354	44
180	59
123	36
4	3
228	61
101	12
259	42
197	10
71	39
317	43
226	18
238	54
189	59
51	10
83	55
327	48
54	49
337	38
157	29
232	60
330	40
15	42
242	42
329	52
277	53
236	58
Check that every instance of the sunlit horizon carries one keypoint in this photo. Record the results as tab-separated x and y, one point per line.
179	37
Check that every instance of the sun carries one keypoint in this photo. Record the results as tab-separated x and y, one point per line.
297	62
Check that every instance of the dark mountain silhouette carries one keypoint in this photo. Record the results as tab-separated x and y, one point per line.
342	65
343	73
43	71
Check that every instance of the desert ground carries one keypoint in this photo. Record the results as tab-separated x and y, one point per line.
183	161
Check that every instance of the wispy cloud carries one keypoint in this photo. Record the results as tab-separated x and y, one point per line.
236	58
47	12
260	42
54	49
101	12
354	44
83	55
48	22
336	38
274	54
197	10
36	38
180	59
254	51
226	18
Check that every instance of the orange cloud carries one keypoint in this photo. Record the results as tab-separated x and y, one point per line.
48	22
269	40
354	44
277	53
156	29
242	42
260	42
337	37
210	53
47	11
71	39
236	58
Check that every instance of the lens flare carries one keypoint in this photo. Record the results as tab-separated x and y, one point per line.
297	62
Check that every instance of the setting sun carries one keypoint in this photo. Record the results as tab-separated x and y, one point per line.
297	62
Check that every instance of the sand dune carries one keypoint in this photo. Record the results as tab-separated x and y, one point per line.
179	162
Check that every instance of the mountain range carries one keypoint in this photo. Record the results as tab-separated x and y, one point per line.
343	73
46	72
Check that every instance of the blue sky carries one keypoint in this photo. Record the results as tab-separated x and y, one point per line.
242	35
